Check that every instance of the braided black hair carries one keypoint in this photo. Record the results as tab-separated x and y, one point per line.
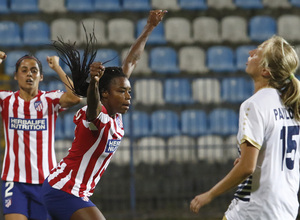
79	66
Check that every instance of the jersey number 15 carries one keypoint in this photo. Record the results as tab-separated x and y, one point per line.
289	146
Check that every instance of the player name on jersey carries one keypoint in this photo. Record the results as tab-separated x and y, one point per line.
282	113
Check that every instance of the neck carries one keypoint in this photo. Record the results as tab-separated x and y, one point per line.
27	96
260	85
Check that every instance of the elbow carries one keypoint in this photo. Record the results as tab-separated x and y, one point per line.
248	170
76	100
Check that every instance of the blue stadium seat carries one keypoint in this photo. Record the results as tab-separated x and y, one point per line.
242	54
193	122
164	60
295	3
4	9
59	128
140	124
157	36
249	4
21	6
220	59
108	6
69	125
164	123
36	33
42	56
223	121
11	60
10	33
126	123
136	5
56	85
43	85
236	89
262	27
193	4
104	55
80	5
178	91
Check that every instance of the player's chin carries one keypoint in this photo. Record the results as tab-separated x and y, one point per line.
124	109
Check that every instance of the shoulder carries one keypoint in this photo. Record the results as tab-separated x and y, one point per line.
54	94
263	98
5	93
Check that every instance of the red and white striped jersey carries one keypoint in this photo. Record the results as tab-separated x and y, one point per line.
29	135
92	149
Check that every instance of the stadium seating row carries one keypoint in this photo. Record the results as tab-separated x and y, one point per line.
34	6
162	60
182	91
177	30
159	150
165	123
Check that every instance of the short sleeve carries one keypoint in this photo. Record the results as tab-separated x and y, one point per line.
251	125
55	97
3	95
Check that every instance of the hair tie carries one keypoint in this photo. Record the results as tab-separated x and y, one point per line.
291	76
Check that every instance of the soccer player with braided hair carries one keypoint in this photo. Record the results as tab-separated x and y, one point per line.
99	127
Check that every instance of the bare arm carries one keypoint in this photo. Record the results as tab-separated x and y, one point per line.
242	169
2	56
93	96
68	99
136	50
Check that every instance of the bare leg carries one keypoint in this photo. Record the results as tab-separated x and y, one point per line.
15	217
89	213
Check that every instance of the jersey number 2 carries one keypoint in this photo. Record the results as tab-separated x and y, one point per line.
289	146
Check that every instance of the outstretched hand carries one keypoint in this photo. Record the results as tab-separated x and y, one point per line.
97	70
2	56
156	16
199	201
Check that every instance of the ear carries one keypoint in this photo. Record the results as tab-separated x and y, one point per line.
105	94
15	76
266	73
42	78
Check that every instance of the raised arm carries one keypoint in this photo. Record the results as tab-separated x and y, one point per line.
136	50
68	99
94	105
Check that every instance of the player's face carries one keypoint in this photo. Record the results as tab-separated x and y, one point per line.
118	96
253	65
28	75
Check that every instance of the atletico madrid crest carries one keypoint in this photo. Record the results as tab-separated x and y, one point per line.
7	203
38	105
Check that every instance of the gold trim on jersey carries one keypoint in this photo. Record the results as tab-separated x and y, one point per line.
246	138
